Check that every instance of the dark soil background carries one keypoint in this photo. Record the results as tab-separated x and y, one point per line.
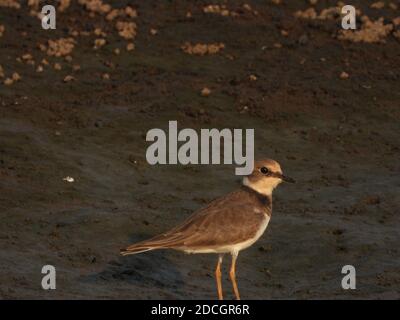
337	135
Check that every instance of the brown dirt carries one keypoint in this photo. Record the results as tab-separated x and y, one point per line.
338	137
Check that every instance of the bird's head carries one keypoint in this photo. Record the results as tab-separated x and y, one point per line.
266	176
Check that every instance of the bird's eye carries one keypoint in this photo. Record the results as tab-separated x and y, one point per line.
264	170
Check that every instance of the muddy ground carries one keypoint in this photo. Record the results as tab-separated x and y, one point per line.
337	135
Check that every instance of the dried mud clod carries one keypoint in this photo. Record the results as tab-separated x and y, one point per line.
95	6
224	11
325	14
126	30
10	4
202	49
370	32
98	43
59	48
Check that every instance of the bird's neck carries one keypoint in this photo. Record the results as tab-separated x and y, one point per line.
263	191
261	188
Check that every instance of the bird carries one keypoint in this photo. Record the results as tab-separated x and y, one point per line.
227	225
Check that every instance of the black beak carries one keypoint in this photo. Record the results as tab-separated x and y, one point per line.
287	179
281	176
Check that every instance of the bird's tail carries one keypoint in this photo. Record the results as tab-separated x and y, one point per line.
158	242
129	250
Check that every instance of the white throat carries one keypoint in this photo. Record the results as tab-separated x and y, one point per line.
264	187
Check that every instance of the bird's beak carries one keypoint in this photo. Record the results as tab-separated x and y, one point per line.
282	177
287	179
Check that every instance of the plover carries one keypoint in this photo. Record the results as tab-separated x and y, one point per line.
228	224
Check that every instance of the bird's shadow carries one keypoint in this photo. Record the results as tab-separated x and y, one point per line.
149	269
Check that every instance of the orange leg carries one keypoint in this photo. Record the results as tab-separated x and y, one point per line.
232	274
218	277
